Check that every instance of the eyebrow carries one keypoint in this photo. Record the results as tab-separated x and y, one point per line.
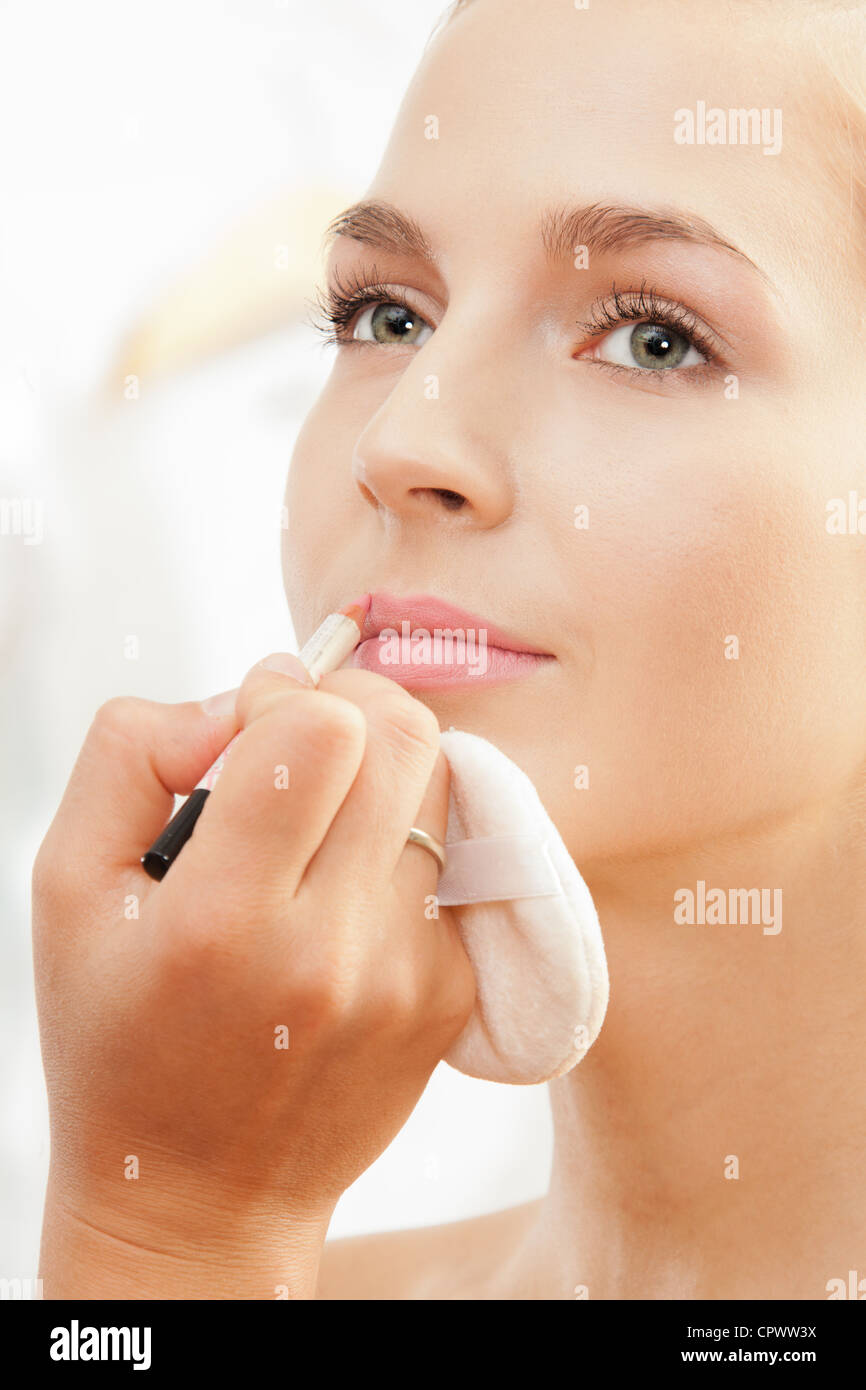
600	227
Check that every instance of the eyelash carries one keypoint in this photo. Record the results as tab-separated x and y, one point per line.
644	305
339	302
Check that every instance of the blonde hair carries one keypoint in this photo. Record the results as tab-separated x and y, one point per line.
838	32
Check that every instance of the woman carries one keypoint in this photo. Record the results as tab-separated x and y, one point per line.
599	376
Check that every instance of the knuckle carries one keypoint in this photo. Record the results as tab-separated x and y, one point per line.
325	728
323	997
324	994
192	952
335	981
116	728
333	726
403	1005
119	717
206	942
412	728
404	997
261	691
394	1006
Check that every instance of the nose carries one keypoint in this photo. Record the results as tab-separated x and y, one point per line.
435	447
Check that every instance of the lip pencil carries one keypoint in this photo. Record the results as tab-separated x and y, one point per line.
330	644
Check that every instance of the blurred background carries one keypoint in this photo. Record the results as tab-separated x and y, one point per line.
166	174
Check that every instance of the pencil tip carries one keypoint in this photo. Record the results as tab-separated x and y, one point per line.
358	610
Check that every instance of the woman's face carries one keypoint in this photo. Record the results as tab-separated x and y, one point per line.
648	504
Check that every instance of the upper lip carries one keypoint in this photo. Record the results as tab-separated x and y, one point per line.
428	612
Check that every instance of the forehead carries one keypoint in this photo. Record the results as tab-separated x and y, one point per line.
540	105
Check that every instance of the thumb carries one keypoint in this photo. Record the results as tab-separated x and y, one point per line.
136	756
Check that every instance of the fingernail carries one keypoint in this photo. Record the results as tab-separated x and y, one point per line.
287	665
219	706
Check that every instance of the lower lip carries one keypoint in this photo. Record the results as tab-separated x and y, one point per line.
498	665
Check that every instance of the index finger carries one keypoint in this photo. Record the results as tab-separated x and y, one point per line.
282	784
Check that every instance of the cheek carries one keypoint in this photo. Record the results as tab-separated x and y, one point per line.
753	622
320	502
727	633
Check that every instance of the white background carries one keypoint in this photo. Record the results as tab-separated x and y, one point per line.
156	163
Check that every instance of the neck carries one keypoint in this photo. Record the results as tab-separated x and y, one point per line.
712	1143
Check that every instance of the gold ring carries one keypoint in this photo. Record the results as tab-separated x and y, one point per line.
428	842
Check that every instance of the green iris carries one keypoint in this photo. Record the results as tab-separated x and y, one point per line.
655	345
392	323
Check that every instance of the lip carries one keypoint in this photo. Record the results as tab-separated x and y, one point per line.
490	653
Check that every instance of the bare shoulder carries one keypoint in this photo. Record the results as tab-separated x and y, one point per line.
460	1259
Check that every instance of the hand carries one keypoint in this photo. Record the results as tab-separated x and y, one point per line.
248	1035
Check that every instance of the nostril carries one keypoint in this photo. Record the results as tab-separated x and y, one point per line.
452	500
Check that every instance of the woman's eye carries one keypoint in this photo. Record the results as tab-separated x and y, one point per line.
391	323
651	346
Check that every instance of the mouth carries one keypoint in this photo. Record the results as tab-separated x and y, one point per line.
424	643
